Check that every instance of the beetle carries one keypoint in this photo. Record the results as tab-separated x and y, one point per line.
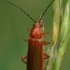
35	55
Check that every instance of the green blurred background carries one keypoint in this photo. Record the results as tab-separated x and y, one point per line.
13	29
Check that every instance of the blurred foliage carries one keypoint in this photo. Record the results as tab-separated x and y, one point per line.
61	34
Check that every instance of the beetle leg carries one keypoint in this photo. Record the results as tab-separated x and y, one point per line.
45	33
27	40
45	43
29	30
46	56
25	57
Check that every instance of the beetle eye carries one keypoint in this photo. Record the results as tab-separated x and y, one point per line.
41	25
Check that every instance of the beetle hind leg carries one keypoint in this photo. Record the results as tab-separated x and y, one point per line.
25	57
46	56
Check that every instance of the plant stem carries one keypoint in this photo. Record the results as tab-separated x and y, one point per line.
56	24
64	36
56	20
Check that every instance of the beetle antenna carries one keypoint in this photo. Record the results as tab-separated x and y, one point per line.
22	10
45	10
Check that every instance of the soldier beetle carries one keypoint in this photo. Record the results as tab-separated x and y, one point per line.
35	55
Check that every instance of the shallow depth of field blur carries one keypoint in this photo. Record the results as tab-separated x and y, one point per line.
13	29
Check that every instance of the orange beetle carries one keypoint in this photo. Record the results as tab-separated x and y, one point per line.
35	55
